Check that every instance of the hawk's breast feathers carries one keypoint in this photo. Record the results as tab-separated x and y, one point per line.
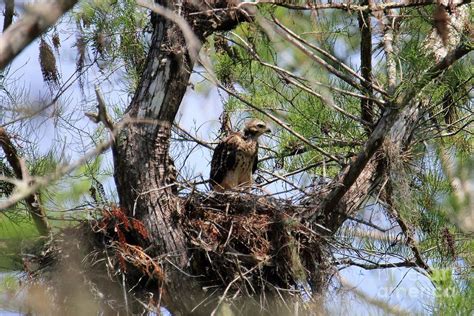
235	158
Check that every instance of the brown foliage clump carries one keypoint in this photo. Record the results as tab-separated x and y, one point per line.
48	64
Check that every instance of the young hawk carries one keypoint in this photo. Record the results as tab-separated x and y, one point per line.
235	158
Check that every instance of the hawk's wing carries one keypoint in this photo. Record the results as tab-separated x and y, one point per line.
255	161
224	157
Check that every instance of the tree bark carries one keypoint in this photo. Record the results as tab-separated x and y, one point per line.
9	11
367	111
144	172
142	165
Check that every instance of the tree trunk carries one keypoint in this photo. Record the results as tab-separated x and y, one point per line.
144	172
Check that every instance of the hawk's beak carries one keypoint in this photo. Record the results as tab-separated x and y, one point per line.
268	130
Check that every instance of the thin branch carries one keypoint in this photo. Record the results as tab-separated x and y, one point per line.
367	111
292	38
101	115
276	120
185	134
349	7
365	266
389	309
408	232
38	18
384	125
296	40
295	172
370	224
468	123
286	73
281	178
411	242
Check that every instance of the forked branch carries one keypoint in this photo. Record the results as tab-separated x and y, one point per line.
382	129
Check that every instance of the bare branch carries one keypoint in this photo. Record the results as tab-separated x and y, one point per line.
195	139
330	57
101	115
292	38
389	309
389	53
37	20
376	266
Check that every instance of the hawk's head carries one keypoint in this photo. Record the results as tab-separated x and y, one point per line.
254	128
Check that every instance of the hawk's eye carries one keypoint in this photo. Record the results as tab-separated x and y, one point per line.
260	125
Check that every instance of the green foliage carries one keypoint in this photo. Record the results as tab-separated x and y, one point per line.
43	165
6	188
8	284
77	188
16	232
452	297
115	30
421	186
306	113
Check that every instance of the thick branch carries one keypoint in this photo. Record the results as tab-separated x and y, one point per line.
9	10
33	200
389	53
382	129
349	7
36	21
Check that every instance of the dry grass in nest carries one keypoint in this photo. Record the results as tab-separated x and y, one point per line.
252	243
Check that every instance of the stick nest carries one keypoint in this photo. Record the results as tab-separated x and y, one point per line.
252	243
239	245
